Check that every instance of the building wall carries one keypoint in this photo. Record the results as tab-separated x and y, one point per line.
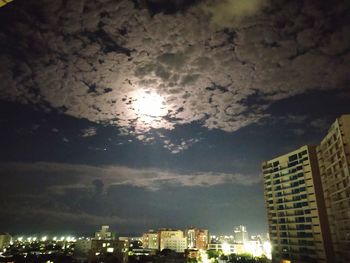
150	240
334	160
240	234
172	239
296	216
197	238
191	238
103	233
202	239
103	248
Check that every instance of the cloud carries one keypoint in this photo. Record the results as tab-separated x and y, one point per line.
64	194
228	12
89	132
321	123
59	177
93	60
72	217
177	147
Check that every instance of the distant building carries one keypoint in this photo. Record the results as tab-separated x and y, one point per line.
228	248
103	233
296	212
334	161
105	246
150	240
172	239
5	240
197	238
240	234
191	238
82	249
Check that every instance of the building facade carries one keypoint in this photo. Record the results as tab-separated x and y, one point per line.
240	234
103	233
172	239
82	249
197	238
150	240
334	161
297	219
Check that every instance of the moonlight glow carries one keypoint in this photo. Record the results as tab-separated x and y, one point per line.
150	105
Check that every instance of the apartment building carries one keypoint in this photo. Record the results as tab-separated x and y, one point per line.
297	217
334	162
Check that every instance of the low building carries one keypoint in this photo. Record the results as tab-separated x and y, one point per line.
105	246
104	233
82	249
150	240
172	239
101	249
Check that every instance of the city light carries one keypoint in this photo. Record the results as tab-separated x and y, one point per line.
267	249
226	248
253	248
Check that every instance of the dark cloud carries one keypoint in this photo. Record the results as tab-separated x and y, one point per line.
165	6
98	186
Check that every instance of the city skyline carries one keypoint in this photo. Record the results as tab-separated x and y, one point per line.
149	113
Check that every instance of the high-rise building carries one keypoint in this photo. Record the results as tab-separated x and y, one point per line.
191	238
197	238
334	162
172	239
240	234
297	219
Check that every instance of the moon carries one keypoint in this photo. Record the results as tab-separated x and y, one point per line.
150	105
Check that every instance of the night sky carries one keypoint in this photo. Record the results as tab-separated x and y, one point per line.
158	113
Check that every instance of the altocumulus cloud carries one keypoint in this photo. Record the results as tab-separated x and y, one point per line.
90	59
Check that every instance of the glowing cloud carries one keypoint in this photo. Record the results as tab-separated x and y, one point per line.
150	104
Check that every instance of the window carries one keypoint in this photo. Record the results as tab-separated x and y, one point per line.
293	158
